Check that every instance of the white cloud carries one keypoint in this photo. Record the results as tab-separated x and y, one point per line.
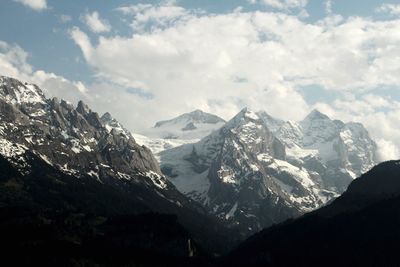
390	9
82	40
387	150
328	6
282	4
37	5
65	18
199	62
95	23
220	63
154	16
14	63
101	96
286	6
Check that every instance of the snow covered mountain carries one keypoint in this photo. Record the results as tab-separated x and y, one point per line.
74	140
257	170
343	151
184	129
188	126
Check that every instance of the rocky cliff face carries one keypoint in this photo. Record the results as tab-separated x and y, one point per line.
257	170
74	140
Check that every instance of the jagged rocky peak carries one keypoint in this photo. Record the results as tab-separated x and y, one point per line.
73	140
92	117
16	92
83	108
114	127
249	128
107	117
317	120
247	114
318	128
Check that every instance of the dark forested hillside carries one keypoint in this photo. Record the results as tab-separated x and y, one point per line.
56	219
360	228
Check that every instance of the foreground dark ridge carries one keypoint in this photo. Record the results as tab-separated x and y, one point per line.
360	228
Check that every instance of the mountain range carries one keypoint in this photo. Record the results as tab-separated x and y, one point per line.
79	189
256	170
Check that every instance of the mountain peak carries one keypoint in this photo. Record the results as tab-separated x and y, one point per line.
82	107
248	113
259	117
315	114
107	117
16	92
193	125
196	116
112	125
197	112
76	137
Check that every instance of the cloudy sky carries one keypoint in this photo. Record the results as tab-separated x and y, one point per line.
146	61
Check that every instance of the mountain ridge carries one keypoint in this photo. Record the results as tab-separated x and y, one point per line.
300	165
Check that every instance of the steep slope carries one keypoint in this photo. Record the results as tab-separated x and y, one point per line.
66	159
256	170
359	228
